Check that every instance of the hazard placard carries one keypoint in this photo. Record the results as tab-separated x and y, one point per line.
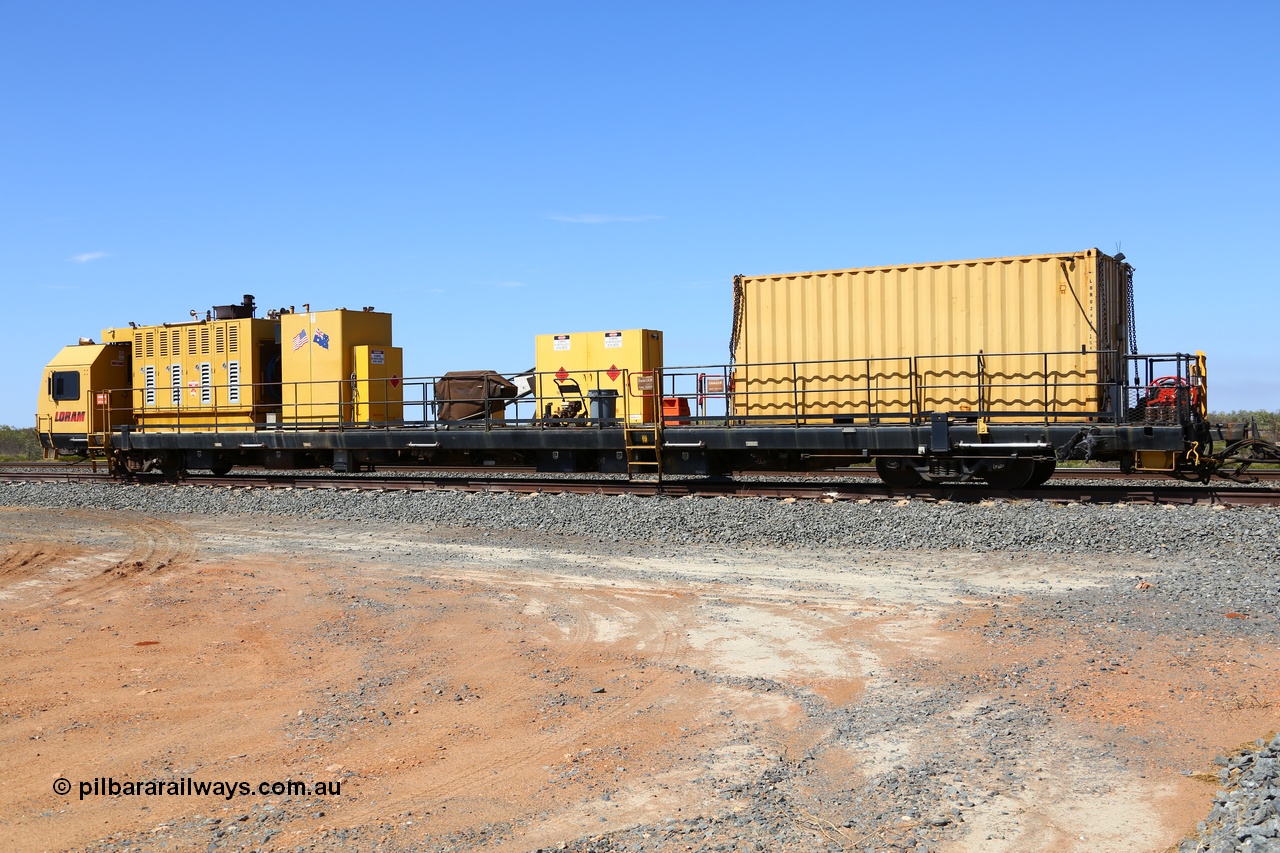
613	373
562	374
395	380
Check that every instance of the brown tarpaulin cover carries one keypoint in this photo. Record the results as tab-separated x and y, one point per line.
462	393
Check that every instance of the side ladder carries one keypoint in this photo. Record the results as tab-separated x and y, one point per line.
644	449
643	441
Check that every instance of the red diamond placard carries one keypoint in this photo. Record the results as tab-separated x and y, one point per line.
613	373
562	374
395	380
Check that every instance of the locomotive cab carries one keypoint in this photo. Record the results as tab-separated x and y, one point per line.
76	407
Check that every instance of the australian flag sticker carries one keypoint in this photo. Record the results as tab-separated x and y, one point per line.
322	339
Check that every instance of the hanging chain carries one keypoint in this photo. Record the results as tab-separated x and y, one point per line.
736	331
1133	322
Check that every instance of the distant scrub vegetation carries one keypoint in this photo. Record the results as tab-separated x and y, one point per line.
19	444
1268	422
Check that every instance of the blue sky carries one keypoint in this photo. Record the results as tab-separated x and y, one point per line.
491	171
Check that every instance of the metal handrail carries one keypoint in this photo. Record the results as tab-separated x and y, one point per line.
874	390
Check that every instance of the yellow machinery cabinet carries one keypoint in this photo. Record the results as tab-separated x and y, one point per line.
203	376
570	366
318	360
378	391
84	395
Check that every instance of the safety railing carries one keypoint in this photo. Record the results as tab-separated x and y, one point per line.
1049	387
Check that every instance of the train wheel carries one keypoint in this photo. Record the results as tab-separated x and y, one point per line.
1044	469
1011	474
897	472
220	469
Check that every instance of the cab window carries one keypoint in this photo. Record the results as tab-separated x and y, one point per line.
65	385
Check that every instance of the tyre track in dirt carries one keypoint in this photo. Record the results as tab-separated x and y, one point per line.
573	631
778	693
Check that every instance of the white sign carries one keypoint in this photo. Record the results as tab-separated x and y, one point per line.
375	357
613	340
561	342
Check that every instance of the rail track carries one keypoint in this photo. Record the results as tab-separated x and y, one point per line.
1069	485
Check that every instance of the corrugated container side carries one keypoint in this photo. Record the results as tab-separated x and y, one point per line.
958	335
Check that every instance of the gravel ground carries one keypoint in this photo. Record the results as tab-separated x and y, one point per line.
1246	814
1225	562
1245	534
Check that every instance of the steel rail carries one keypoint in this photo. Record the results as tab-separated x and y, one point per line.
1142	491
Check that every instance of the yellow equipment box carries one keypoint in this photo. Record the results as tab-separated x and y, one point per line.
378	390
318	361
569	367
203	375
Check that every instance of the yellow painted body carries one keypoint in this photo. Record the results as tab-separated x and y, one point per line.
1155	461
88	406
200	376
378	389
318	361
600	361
896	340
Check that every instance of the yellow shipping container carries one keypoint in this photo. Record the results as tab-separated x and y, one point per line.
318	362
571	366
1034	334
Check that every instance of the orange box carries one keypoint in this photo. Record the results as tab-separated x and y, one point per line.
675	411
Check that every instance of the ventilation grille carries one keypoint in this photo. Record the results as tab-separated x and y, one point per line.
233	382
206	383
149	383
175	384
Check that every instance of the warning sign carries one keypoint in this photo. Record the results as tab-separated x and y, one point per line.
613	340
395	380
562	374
101	398
561	343
613	372
715	384
376	357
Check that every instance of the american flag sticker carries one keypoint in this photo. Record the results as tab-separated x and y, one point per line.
300	340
